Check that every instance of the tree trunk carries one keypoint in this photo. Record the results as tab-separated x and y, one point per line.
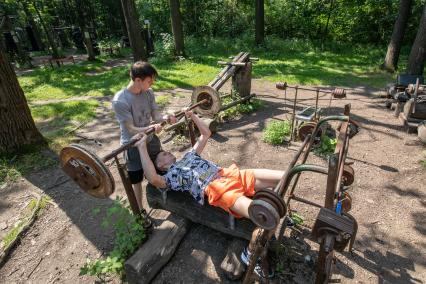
55	53
177	26
81	15
416	60
17	127
260	22
394	47
134	30
33	25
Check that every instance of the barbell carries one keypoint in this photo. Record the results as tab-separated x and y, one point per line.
337	93
89	171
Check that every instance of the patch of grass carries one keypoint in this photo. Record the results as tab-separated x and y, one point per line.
130	234
16	230
243	108
162	100
180	139
424	161
14	167
276	131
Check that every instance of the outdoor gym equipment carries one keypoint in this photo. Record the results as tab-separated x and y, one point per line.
334	227
94	177
309	115
240	70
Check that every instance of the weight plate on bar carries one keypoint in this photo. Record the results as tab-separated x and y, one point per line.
263	214
308	128
339	93
346	202
87	170
213	105
273	198
348	176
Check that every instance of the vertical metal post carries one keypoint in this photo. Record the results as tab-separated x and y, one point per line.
294	114
128	188
316	105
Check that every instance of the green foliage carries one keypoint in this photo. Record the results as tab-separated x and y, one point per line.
327	146
424	161
162	100
165	47
14	167
297	219
242	108
130	234
276	131
180	139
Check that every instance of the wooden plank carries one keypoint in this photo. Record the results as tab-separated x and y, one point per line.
183	204
169	230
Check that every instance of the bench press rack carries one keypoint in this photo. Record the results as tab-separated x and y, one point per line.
334	227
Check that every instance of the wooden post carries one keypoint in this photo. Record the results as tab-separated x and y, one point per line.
241	81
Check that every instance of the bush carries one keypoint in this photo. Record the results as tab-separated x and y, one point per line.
327	146
276	131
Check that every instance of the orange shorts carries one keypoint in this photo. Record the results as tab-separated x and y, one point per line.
231	184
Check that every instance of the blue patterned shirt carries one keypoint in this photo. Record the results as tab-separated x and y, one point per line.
191	173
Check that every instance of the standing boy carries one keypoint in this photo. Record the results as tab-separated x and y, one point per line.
135	108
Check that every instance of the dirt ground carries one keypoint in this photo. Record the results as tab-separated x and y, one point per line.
389	202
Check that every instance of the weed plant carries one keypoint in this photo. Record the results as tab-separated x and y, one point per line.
129	235
276	132
235	111
326	147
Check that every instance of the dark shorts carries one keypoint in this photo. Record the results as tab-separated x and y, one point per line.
133	160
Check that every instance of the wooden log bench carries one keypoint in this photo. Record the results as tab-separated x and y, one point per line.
184	205
170	228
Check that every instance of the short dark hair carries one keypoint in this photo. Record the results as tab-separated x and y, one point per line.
142	69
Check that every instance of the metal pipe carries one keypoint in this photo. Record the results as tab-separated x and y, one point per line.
280	186
150	130
237	102
294	115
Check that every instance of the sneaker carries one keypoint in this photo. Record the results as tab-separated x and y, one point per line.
245	258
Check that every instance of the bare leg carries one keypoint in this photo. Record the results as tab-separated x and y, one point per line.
137	189
241	206
267	178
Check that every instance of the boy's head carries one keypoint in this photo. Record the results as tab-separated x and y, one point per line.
164	160
143	74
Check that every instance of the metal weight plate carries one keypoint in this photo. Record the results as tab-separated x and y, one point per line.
273	198
339	93
308	128
263	214
346	202
213	105
87	170
348	176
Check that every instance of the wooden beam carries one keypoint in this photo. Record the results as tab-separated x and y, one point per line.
149	259
183	204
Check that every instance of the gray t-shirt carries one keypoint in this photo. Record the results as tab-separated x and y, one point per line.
140	108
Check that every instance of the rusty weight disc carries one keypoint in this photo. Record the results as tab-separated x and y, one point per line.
339	93
346	202
273	198
87	170
308	128
213	105
348	176
263	214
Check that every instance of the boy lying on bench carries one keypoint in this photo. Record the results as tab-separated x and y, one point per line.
228	188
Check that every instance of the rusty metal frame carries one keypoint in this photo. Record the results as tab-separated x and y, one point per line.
334	173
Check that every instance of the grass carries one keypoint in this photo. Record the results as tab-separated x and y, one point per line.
276	132
424	161
14	167
15	231
162	100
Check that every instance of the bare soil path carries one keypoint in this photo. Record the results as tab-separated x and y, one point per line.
389	202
